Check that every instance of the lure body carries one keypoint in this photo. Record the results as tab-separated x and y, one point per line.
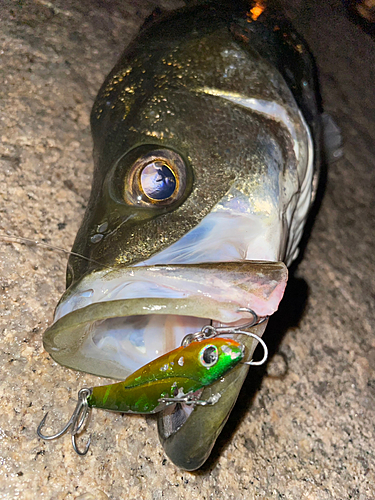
177	373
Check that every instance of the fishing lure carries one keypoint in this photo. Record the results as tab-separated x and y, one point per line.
182	371
175	377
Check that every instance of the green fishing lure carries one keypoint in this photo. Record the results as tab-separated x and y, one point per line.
182	371
171	378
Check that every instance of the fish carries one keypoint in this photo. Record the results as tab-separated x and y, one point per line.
207	139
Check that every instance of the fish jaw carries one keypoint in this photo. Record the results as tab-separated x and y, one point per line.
134	315
177	424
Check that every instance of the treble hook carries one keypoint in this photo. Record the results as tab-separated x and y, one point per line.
261	341
212	331
76	422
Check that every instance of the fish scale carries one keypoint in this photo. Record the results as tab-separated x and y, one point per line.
225	97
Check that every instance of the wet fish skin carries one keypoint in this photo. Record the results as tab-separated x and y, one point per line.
190	83
147	100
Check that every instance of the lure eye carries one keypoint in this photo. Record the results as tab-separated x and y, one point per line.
157	178
209	356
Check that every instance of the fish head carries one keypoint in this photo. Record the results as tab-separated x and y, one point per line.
225	128
202	183
191	189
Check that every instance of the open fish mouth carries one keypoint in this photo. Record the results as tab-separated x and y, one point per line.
112	322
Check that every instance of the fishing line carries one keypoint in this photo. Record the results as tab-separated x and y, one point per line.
21	240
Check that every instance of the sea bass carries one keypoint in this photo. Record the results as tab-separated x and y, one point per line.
206	148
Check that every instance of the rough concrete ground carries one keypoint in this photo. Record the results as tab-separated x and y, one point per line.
306	435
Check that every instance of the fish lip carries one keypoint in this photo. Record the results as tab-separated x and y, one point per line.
259	285
64	339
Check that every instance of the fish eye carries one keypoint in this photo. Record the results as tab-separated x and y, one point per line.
157	181
209	356
158	178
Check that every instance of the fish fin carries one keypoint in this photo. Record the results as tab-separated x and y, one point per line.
332	139
174	417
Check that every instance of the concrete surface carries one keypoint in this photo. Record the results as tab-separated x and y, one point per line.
305	429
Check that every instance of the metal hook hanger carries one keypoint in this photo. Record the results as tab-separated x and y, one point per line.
75	422
191	399
210	331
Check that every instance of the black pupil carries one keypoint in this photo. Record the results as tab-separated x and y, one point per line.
209	355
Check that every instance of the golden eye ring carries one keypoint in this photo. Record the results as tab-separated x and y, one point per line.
157	178
157	181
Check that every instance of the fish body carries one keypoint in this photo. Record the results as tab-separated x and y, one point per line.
206	149
182	371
